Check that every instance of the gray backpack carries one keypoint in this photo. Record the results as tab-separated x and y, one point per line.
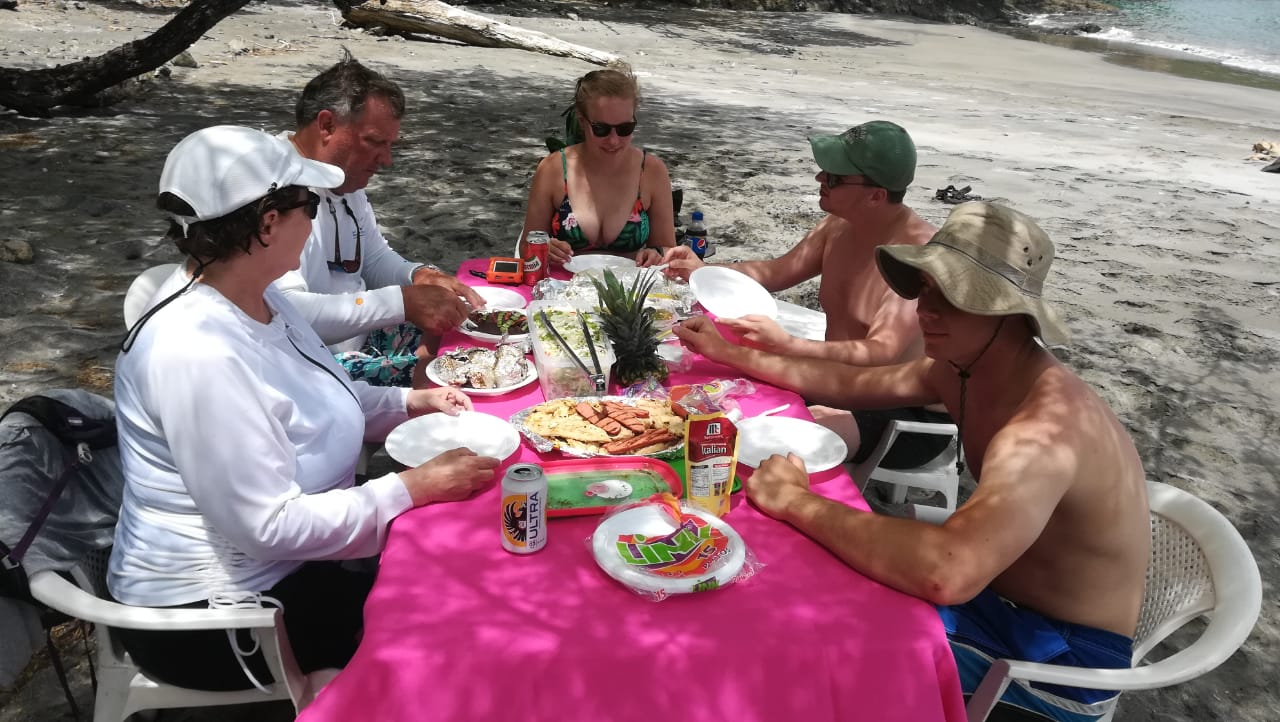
60	490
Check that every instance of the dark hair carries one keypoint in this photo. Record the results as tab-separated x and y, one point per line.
344	90
896	196
218	239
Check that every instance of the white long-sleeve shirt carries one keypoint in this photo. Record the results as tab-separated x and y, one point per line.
239	442
344	307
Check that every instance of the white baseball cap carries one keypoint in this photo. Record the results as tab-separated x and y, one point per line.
221	169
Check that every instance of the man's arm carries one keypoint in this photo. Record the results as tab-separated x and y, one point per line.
381	266
1025	474
818	380
802	262
893	329
337	316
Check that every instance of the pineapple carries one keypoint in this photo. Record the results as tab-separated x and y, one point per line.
630	327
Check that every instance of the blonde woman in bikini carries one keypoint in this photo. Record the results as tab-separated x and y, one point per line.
603	195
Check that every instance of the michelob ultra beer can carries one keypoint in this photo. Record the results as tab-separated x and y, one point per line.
524	509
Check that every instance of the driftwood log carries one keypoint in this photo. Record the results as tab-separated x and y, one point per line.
431	17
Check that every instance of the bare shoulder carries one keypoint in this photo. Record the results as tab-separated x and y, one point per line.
917	232
829	228
654	164
1064	417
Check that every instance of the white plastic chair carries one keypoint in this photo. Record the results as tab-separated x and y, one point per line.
124	689
939	474
142	289
1200	566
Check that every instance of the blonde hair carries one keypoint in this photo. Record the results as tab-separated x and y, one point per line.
614	81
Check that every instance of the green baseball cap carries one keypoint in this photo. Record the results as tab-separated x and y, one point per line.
878	149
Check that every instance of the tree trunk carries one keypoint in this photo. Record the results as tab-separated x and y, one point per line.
37	92
437	18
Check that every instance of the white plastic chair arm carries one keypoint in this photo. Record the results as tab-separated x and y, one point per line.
924	427
1220	638
56	592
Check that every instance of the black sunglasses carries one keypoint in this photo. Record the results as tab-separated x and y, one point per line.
602	130
834	181
311	201
337	264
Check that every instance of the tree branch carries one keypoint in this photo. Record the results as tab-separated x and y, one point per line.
37	92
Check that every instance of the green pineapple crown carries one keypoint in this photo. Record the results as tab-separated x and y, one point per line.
629	326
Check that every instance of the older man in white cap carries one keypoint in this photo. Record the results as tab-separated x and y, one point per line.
1046	560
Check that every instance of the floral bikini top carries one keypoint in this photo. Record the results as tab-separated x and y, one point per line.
632	237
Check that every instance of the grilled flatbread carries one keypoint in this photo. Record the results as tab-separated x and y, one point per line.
560	422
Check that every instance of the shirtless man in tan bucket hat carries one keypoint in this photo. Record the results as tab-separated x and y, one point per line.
1046	560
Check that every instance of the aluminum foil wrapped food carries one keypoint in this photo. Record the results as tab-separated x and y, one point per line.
510	365
483	368
671	298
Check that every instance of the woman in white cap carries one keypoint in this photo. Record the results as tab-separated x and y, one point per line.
239	433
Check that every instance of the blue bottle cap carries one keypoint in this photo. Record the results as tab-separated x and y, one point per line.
697	215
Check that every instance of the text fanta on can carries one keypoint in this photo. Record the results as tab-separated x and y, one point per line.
535	265
524	509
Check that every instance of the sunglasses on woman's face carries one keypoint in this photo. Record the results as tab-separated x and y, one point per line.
602	130
311	202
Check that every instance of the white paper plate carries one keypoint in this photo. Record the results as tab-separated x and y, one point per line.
419	440
730	294
652	520
762	437
433	374
500	298
597	261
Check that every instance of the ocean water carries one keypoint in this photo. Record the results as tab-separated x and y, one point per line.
1238	34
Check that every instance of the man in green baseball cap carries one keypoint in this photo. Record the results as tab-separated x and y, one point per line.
878	150
863	176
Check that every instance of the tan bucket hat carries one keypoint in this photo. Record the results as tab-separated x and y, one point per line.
986	259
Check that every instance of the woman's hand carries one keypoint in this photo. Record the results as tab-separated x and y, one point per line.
777	483
646	257
559	252
452	476
446	399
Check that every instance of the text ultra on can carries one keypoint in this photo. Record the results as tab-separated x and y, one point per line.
524	509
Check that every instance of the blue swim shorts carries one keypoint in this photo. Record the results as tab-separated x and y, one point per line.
989	627
387	358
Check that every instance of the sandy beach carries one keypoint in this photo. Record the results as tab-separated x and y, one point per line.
1167	272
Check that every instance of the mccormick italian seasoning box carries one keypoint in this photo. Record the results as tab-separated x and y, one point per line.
710	460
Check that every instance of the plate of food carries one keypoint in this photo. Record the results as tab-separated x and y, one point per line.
597	262
498	298
579	487
483	371
668	549
730	294
603	426
495	324
763	436
420	440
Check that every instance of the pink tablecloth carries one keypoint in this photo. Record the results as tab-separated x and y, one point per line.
458	629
